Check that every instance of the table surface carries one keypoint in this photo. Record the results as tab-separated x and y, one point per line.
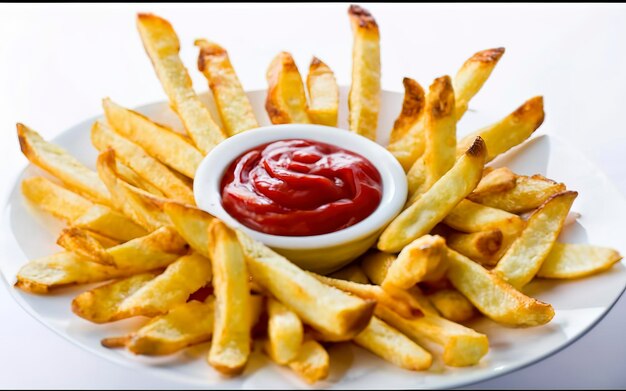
58	62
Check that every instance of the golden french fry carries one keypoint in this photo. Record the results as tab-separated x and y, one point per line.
134	179
452	305
495	181
328	310
105	221
285	332
413	105
62	165
286	99
231	336
510	131
192	224
493	296
352	272
437	202
524	258
462	346
231	100
162	46
79	241
527	194
55	199
146	166
323	94
468	216
104	241
483	247
162	143
312	362
472	75
415	262
393	346
571	261
364	97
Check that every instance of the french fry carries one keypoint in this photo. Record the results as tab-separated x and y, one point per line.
461	345
79	241
62	165
162	46
524	258
312	362
231	336
393	346
328	310
106	221
569	261
493	296
192	224
527	194
437	202
364	96
55	199
452	305
134	179
231	100
495	181
285	332
468	216
104	241
510	131
415	263
471	77
352	272
483	247
136	158
161	143
286	99
323	94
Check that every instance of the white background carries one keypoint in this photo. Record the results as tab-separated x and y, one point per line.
58	62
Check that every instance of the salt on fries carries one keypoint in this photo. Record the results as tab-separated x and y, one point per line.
460	249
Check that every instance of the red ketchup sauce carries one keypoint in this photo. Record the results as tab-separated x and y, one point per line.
300	188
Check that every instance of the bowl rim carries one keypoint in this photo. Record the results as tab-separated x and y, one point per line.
211	169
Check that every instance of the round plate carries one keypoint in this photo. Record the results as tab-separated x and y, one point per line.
27	233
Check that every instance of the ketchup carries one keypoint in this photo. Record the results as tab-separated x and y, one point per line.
300	188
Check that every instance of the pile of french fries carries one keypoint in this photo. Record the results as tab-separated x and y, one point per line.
467	242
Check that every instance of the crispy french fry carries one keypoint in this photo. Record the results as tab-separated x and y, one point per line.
79	241
231	336
472	75
328	310
134	179
483	247
162	143
524	258
323	94
571	261
510	131
104	241
62	165
312	362
527	194
146	166
106	221
452	305
55	199
352	272
364	97
415	262
162	45
469	217
493	296
285	332
413	105
231	100
393	346
437	202
286	99
496	180
192	224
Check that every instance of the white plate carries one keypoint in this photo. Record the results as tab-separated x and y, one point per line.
26	233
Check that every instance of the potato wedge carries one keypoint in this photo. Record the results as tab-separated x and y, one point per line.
571	261
527	194
437	202
286	99
415	262
312	363
62	165
79	241
284	331
192	224
393	346
326	309
230	98
323	94
139	161
468	216
493	296
55	199
510	131
364	96
484	247
161	143
162	46
495	181
526	255
106	221
352	272
452	305
231	336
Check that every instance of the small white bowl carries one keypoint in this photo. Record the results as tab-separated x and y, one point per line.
320	253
